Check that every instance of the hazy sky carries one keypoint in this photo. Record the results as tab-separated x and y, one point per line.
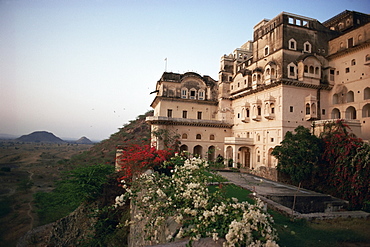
84	68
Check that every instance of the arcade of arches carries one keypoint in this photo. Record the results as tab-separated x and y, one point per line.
244	157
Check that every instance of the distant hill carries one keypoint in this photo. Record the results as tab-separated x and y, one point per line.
84	140
40	136
7	136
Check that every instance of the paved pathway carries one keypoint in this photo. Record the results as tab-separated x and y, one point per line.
266	188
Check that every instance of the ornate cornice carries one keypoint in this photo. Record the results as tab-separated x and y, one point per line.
347	51
177	99
280	82
188	122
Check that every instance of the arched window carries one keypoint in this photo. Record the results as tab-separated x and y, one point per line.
184	93
201	95
307	47
367	93
273	71
198	136
259	110
317	70
335	114
193	93
247	112
311	70
313	109
292	71
351	113
350	96
366	110
308	109
258	78
305	69
292	44
211	137
272	108
184	136
335	99
353	62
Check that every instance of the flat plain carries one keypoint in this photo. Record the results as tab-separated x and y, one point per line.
27	168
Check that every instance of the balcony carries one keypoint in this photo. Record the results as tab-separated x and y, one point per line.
245	120
256	117
269	116
238	141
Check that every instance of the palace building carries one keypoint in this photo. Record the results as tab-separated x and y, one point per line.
296	71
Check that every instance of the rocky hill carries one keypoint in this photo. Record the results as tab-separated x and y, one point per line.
135	132
40	136
84	140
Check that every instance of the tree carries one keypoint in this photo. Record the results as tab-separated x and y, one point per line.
298	154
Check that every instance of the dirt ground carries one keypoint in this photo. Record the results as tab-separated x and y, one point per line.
26	168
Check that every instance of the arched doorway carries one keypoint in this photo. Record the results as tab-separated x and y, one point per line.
198	151
335	113
245	157
351	113
229	156
211	153
184	149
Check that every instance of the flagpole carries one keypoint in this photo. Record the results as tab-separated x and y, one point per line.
165	65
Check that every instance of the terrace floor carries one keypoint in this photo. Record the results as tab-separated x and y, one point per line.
309	204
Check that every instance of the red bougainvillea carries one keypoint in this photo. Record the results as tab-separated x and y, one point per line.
348	167
135	159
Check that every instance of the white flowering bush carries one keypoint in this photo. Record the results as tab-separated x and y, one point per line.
184	196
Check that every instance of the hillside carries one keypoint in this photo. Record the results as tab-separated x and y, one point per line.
40	136
135	132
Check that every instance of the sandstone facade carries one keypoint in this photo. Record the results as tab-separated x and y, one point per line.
296	71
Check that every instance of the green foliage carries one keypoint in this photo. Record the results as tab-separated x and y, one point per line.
185	197
320	233
82	183
232	191
5	206
86	181
298	154
24	185
5	169
108	231
347	166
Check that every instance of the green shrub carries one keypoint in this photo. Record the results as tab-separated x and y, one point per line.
81	184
